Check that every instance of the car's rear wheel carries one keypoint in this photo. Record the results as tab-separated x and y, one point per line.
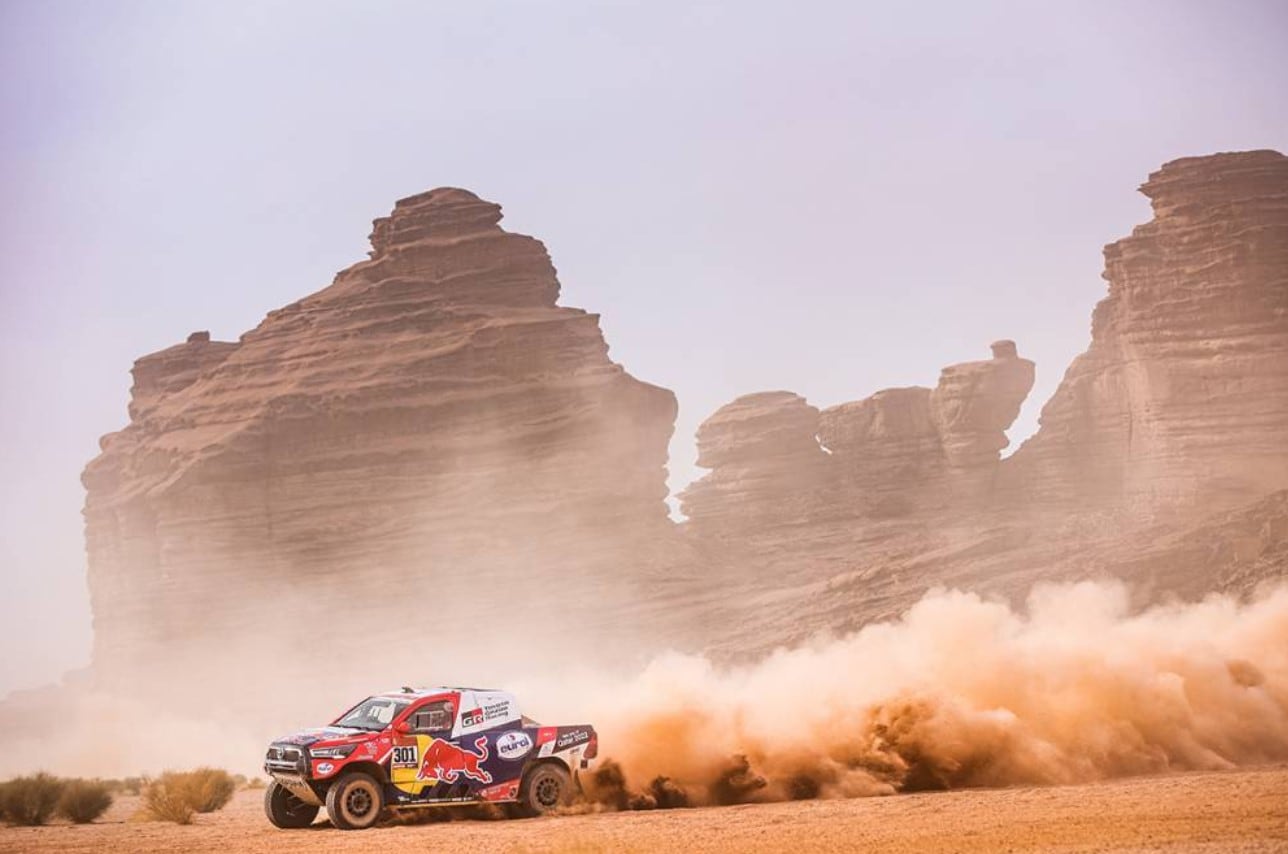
285	810
355	801
545	788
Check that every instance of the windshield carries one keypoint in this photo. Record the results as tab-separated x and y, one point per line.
373	713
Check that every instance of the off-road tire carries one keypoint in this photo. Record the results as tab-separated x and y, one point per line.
355	801
285	810
545	787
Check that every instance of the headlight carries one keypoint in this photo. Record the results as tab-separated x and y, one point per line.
332	752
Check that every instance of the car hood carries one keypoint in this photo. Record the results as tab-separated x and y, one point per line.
342	734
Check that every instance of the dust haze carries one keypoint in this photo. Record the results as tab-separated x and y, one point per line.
959	691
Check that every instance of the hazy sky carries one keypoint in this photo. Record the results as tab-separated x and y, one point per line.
831	198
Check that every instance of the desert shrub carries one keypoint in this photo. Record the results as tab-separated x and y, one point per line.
132	785
256	783
166	799
4	786
176	796
31	800
83	801
210	788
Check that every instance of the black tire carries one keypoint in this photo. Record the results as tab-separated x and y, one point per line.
355	801
285	810
545	787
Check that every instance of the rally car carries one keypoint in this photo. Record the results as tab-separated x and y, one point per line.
424	747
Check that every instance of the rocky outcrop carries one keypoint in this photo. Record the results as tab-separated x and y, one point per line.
885	449
774	459
1182	397
1149	463
433	441
767	465
975	403
174	369
428	440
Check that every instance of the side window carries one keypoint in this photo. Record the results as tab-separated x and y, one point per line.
435	717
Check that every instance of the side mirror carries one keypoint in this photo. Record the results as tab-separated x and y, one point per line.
402	727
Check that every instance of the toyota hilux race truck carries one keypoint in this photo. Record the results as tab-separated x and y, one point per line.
424	747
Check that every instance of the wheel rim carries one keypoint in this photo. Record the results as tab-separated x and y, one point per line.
548	791
358	802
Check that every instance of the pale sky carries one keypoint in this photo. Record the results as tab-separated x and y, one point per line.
831	198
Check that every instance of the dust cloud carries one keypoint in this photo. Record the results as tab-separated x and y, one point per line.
960	691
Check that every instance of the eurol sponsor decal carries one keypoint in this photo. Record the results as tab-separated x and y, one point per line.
513	745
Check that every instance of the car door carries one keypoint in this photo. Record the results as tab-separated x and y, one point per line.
424	765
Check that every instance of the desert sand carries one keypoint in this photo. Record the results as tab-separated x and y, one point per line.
1243	810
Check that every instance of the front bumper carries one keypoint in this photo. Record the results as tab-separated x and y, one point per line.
287	759
288	764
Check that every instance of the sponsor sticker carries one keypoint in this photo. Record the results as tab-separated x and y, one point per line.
448	762
325	768
405	756
571	739
473	717
513	745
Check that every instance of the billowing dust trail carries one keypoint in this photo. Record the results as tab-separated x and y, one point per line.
960	692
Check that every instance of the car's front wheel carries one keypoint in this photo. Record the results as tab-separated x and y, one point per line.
355	801
285	810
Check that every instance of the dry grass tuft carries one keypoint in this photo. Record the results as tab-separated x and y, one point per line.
211	789
177	796
166	799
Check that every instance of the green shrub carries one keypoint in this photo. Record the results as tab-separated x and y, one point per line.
83	801
31	800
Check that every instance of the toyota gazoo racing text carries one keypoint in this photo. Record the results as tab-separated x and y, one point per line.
423	747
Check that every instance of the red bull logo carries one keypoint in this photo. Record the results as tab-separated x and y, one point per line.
445	761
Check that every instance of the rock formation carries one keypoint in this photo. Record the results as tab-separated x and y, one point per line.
432	441
428	441
775	459
1182	396
173	369
1177	411
767	462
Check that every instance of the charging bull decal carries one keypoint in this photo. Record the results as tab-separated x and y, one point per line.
442	760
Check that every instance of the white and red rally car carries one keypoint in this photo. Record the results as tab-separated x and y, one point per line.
424	747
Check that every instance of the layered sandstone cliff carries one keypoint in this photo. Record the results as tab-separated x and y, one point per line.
1182	397
428	441
433	442
767	463
1176	414
775	459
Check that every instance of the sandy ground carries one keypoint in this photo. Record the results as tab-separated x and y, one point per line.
1218	811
